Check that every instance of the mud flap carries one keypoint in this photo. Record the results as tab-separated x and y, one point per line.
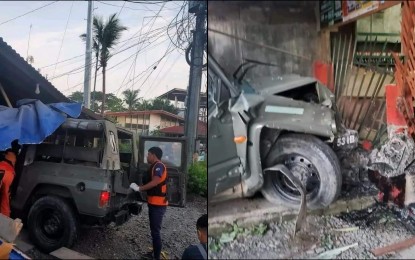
302	213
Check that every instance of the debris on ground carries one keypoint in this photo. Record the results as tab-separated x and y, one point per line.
374	227
394	247
334	252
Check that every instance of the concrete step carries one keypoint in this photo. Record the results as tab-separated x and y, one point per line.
248	212
66	253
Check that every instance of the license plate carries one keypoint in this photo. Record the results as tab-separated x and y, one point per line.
348	140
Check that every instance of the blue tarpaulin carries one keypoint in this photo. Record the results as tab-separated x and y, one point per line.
32	121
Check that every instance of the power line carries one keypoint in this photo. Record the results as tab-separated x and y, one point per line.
155	19
79	69
116	66
63	37
73	71
165	74
27	13
134	36
50	65
122	8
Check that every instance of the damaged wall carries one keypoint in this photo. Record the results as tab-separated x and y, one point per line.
287	25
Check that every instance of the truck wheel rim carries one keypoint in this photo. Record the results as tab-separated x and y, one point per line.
301	168
51	224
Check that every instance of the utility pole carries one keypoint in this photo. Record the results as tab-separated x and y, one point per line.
195	78
88	58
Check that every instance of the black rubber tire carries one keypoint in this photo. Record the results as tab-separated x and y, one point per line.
320	155
64	213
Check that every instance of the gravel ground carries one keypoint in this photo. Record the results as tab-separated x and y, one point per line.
133	239
319	235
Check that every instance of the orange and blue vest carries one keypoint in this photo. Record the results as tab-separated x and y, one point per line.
158	194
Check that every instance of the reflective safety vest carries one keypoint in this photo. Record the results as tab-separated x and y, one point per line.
157	195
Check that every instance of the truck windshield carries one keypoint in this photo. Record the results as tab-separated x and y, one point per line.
172	152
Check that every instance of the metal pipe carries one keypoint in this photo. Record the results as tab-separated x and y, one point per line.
358	93
345	70
341	77
6	98
216	69
348	77
346	121
381	108
378	86
337	66
368	87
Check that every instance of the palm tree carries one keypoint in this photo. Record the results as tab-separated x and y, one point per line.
131	99
105	37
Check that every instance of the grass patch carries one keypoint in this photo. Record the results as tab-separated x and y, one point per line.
216	244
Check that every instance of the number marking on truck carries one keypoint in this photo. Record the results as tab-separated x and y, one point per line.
284	110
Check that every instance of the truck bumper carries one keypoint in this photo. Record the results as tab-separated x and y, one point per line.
129	209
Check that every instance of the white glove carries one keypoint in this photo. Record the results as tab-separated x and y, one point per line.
134	187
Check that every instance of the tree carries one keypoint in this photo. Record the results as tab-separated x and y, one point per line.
105	37
163	104
113	103
77	96
131	98
156	132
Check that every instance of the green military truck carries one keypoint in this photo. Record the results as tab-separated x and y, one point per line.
80	176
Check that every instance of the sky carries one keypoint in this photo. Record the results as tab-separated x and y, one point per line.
50	43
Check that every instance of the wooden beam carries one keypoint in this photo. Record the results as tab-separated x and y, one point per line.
393	247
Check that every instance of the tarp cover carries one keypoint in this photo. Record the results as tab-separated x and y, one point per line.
32	121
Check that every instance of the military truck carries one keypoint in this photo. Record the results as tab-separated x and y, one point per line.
80	176
259	126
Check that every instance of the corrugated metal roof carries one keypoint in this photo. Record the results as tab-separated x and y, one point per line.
19	80
8	53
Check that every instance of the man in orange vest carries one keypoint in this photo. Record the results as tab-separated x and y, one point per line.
156	195
7	165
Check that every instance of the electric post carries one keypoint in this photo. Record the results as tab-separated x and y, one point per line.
195	77
88	59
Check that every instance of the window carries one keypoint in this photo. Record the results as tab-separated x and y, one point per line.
72	146
172	152
136	126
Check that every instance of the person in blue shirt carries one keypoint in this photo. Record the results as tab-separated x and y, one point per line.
199	251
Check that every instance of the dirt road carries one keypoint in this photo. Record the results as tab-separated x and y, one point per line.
132	240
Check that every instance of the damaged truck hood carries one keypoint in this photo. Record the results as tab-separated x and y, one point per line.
275	85
288	114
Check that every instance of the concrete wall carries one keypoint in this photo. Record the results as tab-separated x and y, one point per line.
288	25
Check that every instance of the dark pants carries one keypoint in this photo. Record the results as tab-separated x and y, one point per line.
156	214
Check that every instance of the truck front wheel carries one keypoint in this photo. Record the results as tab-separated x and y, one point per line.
313	162
52	224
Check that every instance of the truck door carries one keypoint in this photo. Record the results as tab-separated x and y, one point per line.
223	159
174	159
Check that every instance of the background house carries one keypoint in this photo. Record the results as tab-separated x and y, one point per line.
144	122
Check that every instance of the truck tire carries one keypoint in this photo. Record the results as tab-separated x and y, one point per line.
52	224
313	162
